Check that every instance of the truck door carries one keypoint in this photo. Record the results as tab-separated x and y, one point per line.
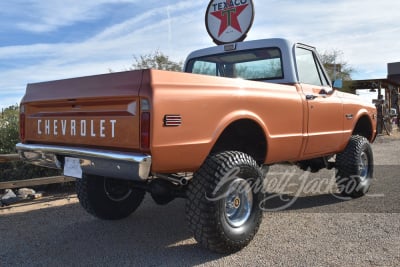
325	108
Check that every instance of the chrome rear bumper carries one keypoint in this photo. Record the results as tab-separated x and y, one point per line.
120	165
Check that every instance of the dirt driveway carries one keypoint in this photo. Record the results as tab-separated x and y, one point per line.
315	230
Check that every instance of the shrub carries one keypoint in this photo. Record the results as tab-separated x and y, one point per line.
9	137
9	132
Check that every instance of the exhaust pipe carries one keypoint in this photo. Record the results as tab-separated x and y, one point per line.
180	180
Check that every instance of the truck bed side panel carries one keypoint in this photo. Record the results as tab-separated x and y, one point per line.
207	105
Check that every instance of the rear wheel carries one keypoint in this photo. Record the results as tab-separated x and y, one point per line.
108	198
355	167
223	202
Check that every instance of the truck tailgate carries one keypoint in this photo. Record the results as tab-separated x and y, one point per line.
98	111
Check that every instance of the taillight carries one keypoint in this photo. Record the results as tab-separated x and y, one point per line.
22	123
145	124
145	131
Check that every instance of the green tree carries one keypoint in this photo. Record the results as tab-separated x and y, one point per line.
335	66
9	129
156	60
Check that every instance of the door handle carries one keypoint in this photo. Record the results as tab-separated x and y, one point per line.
311	97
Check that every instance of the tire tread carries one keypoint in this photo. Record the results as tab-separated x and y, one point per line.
201	213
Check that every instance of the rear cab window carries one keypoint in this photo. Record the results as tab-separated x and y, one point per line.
255	64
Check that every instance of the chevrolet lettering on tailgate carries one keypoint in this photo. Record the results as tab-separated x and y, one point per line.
72	128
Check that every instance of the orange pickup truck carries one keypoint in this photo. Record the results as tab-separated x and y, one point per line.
207	135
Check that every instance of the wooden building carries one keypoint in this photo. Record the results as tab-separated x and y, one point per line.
388	97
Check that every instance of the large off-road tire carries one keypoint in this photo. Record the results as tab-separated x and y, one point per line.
355	166
223	198
108	198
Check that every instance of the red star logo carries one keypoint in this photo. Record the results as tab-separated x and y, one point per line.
229	17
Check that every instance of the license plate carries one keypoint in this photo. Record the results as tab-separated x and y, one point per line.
72	167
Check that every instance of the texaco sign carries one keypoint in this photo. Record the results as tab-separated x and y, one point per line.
229	21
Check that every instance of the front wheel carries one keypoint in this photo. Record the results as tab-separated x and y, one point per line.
107	198
223	201
355	167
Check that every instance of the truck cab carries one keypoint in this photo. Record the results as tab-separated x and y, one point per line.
281	61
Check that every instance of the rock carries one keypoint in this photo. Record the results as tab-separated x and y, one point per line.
8	194
25	193
9	198
36	195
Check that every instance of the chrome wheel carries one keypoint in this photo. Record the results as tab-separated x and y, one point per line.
238	203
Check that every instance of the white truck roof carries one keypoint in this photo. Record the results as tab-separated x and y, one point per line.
287	49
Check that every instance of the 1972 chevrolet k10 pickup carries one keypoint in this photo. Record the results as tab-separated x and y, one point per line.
207	135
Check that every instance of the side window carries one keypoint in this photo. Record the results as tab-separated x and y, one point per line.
308	68
323	78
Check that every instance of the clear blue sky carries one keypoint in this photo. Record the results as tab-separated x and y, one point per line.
47	40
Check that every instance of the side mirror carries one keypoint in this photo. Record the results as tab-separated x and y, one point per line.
338	84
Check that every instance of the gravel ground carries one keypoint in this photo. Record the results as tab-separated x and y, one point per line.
315	230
